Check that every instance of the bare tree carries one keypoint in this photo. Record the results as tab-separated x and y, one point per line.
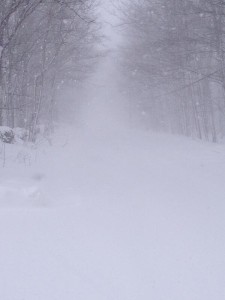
174	59
43	46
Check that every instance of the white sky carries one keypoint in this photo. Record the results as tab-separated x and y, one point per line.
109	19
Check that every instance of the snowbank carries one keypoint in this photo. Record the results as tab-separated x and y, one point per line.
126	217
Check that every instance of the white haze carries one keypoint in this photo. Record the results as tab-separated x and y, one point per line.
103	103
109	212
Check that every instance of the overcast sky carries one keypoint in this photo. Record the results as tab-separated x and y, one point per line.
109	19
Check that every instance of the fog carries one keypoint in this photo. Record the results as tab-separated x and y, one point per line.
100	100
112	158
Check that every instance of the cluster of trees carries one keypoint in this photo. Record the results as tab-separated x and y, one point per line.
173	59
44	45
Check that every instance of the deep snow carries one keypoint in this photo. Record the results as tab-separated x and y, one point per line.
123	216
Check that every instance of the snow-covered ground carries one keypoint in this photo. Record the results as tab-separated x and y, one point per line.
125	216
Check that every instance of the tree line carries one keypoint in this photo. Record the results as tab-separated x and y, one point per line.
173	61
44	45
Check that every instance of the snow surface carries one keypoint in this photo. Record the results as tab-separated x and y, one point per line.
127	216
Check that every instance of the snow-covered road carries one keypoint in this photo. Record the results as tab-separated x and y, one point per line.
124	216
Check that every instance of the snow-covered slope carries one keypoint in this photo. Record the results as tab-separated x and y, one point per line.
124	216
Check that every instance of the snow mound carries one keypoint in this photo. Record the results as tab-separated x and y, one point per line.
21	134
6	134
15	193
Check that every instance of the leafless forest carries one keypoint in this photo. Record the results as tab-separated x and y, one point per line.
44	46
173	63
171	59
